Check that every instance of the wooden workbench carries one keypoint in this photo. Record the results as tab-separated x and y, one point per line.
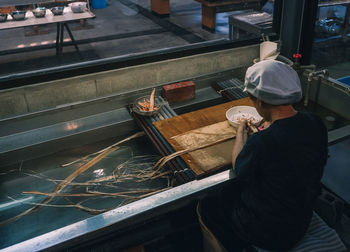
190	121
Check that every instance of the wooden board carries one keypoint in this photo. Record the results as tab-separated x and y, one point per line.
212	157
194	120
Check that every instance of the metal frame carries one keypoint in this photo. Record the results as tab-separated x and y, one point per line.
294	21
297	22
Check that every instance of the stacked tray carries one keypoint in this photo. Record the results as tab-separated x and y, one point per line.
230	89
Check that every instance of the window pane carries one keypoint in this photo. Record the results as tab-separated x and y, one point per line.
121	28
331	48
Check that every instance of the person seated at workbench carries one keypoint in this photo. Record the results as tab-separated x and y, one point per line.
270	203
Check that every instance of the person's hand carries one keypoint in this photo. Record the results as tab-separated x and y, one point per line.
241	139
242	128
242	132
246	128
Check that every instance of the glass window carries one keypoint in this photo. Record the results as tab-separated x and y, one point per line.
332	39
111	28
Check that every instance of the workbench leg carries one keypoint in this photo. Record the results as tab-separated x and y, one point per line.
236	33
72	38
208	18
160	7
61	37
58	39
346	22
233	32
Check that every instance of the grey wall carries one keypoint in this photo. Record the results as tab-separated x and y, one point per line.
58	93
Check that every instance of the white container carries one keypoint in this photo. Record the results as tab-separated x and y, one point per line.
238	113
78	7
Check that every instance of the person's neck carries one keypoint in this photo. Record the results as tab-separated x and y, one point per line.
282	112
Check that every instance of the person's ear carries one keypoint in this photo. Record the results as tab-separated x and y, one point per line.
259	103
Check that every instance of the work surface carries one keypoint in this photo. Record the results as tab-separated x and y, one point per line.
31	20
173	127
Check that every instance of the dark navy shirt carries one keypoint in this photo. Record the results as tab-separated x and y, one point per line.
279	169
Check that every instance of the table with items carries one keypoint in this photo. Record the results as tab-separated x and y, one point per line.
61	20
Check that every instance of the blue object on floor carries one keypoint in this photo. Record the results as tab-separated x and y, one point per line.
99	4
345	80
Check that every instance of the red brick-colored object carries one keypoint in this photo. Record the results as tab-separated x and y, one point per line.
6	10
180	91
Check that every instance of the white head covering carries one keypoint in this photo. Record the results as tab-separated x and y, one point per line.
273	82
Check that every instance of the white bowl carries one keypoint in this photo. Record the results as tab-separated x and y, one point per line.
238	113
